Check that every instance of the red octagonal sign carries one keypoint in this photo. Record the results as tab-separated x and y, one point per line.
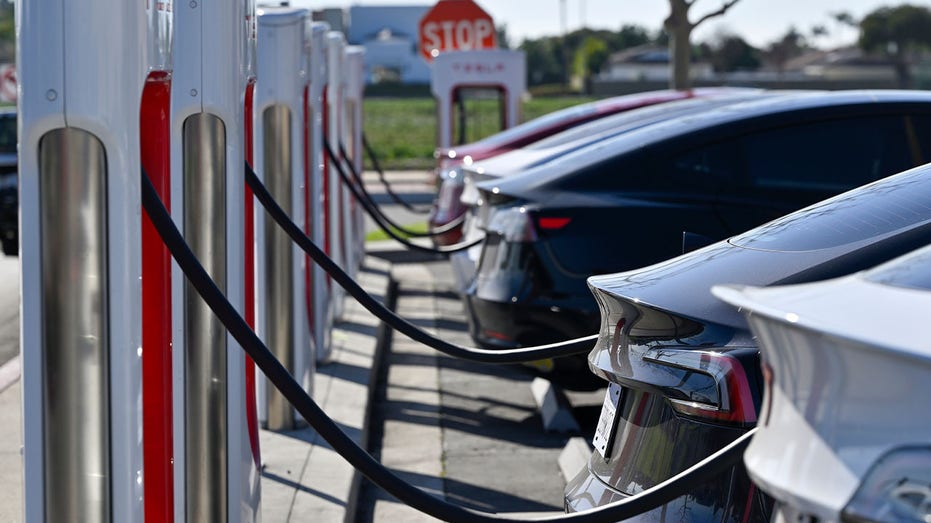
455	25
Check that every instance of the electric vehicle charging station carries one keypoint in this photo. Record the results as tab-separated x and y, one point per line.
80	260
216	471
355	93
82	307
279	132
337	196
454	71
316	280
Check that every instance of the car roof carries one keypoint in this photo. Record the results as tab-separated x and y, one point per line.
795	102
544	151
569	116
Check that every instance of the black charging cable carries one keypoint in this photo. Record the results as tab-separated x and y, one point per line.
381	177
522	355
357	178
654	497
379	219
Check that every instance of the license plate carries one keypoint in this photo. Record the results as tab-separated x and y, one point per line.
607	422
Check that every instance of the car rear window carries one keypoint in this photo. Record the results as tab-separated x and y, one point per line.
833	155
882	207
914	272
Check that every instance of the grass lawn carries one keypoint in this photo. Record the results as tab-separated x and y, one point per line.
378	234
403	130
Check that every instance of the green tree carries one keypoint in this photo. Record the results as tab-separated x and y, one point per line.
7	33
898	32
791	44
590	57
629	36
584	49
679	28
733	53
544	65
501	34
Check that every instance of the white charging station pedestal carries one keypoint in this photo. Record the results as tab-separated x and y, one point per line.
502	70
80	89
280	148
318	283
216	472
336	192
355	94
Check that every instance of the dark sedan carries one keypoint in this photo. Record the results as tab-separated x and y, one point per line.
649	194
447	208
9	200
684	370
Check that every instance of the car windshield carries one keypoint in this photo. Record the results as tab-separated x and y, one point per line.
8	133
873	210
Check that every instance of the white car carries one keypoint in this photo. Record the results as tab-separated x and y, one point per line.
845	429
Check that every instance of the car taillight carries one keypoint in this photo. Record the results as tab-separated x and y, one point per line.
710	385
550	223
896	489
513	224
450	191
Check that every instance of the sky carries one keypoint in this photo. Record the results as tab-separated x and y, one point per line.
759	22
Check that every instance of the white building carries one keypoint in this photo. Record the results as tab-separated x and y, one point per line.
646	63
389	35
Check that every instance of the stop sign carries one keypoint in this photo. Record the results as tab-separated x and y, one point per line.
455	25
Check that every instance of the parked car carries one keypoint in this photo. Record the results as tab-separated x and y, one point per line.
844	430
447	208
9	197
538	153
683	369
649	194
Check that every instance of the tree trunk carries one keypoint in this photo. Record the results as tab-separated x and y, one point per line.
679	30
680	46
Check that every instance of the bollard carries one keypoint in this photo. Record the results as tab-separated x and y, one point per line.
80	90
216	472
317	281
279	131
355	91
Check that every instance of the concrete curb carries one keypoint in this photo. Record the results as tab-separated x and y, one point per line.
303	479
574	457
554	407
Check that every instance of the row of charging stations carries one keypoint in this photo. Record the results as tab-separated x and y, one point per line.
141	406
